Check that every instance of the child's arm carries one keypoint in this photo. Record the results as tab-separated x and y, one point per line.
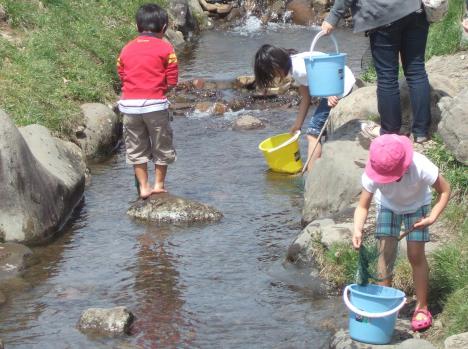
303	108
442	187
172	70
360	216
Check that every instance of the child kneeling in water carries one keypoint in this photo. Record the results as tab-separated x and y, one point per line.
272	63
400	181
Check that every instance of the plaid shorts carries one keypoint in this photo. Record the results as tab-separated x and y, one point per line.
389	223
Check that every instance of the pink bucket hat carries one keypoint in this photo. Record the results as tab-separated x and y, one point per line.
389	157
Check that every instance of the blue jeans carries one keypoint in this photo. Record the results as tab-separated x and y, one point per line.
318	119
405	38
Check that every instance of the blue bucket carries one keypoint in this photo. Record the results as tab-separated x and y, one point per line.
325	72
373	311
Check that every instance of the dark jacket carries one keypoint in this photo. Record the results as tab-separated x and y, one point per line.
371	14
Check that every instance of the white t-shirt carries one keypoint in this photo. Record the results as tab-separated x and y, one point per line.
411	192
299	72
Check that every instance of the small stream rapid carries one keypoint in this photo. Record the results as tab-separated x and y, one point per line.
208	286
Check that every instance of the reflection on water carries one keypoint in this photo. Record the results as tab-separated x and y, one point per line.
158	294
222	285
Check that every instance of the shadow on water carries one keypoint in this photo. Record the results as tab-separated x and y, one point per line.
223	285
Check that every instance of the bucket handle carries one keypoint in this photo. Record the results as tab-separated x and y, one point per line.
367	314
289	141
318	36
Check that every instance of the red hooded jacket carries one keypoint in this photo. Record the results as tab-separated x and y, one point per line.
147	65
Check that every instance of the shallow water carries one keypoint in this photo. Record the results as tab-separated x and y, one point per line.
222	285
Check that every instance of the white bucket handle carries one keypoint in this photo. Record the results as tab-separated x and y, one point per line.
367	314
318	36
289	141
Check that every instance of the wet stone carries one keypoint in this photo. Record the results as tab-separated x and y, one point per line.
167	208
13	259
2	300
402	339
458	341
247	122
106	322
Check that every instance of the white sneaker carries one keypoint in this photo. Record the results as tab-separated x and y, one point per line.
370	130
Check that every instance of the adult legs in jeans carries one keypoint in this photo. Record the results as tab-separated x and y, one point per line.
413	47
407	37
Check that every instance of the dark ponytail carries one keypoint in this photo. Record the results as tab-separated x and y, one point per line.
269	62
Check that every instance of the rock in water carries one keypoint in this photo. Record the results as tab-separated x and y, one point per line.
106	322
167	208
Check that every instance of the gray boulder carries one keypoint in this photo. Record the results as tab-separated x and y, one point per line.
335	180
43	178
361	104
13	259
181	12
447	77
321	231
458	341
100	133
106	322
454	125
402	339
247	122
448	74
175	37
167	208
301	250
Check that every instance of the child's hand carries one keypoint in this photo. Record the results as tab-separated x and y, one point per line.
294	128
357	239
327	27
332	101
423	223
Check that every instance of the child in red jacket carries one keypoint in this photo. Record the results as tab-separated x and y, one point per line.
147	67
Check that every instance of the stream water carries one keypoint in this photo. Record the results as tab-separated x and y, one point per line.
222	285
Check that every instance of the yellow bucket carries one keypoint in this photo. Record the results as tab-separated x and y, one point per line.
282	152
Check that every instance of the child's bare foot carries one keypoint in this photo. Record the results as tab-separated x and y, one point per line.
145	192
158	189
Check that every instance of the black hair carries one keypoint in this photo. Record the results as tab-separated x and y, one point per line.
269	62
151	18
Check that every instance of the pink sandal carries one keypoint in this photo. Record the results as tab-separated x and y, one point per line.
419	325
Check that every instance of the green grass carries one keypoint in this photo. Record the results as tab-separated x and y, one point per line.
449	264
66	56
445	36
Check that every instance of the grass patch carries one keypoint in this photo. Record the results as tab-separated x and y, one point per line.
340	264
455	315
449	264
66	57
445	36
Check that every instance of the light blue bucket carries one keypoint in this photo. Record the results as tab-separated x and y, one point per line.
373	311
325	72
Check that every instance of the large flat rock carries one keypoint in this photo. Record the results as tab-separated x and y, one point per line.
167	208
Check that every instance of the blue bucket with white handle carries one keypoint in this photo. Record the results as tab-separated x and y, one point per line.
325	71
373	311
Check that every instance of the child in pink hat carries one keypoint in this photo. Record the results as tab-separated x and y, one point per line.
400	181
